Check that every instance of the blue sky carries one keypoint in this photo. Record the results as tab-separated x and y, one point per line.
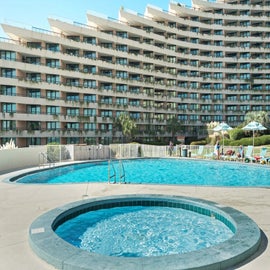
28	13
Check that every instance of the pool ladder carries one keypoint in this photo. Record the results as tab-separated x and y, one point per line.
122	174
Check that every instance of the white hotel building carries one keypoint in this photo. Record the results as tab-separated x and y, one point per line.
68	84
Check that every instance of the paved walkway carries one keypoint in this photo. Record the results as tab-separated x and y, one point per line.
20	204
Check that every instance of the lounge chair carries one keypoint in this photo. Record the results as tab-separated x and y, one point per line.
248	155
211	155
199	152
227	155
261	155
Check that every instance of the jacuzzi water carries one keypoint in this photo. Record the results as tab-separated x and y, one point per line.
140	231
158	171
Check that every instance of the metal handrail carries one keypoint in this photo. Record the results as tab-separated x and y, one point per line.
109	172
123	175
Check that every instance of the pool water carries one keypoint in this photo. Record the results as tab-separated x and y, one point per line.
158	171
140	231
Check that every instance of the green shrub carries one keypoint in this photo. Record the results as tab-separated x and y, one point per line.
237	134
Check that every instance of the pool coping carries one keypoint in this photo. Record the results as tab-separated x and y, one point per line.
62	255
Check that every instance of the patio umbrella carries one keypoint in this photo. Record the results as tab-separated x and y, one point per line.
254	126
222	127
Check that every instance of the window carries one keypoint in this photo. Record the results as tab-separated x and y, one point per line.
53	47
194	117
244	108
218	118
121	61
8	125
217	86
89	112
232	118
73	82
53	110
206	118
257	108
231	108
121	87
9	107
194	95
122	47
90	54
244	55
90	40
33	109
73	52
89	126
121	101
54	63
8	72
74	126
53	125
135	115
72	97
122	34
182	117
218	107
73	67
89	69
218	75
34	45
244	97
8	90
106	113
122	74
89	98
134	102
51	94
218	97
244	86
218	54
106	86
34	93
73	111
206	107
245	76
89	84
106	100
52	79
8	55
194	51
35	77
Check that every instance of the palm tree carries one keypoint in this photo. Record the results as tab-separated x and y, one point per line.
260	116
173	126
126	125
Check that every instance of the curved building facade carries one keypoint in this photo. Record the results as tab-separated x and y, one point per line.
209	62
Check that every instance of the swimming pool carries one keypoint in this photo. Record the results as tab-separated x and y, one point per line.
156	171
49	246
143	231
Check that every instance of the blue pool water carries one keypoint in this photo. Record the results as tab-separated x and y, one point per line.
140	231
158	171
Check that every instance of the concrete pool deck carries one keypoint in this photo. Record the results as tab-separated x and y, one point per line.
21	204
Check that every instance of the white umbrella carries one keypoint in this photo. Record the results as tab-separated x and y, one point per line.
222	127
252	126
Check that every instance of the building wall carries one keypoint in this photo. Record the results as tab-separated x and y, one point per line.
206	63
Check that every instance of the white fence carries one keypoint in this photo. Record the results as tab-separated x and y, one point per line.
18	158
